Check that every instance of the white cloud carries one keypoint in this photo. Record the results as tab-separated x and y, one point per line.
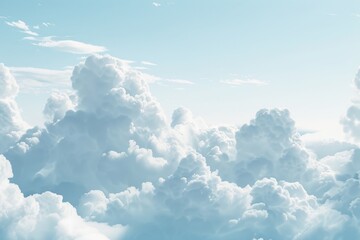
44	216
351	122
47	24
179	81
148	63
22	26
12	125
186	203
181	116
57	106
109	149
112	107
156	4
42	79
44	24
240	82
67	45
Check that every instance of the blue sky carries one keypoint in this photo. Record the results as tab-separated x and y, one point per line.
231	57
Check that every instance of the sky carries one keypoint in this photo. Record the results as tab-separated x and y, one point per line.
179	120
286	54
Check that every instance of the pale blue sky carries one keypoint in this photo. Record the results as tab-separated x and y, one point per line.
240	55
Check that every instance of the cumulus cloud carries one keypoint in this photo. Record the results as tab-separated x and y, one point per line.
269	146
112	134
328	147
351	123
43	216
109	150
181	116
195	203
57	106
12	125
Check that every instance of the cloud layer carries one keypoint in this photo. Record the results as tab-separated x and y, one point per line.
129	173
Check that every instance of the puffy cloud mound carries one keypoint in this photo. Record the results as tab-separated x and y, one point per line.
351	122
11	124
9	87
195	203
43	216
57	106
110	151
110	135
270	147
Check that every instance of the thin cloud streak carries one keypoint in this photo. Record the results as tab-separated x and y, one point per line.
42	79
65	45
180	81
22	26
240	82
148	63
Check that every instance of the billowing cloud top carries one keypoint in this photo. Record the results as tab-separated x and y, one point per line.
129	173
11	123
8	85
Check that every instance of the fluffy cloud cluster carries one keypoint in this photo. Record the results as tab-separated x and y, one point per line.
351	122
110	135
11	124
109	150
43	216
196	203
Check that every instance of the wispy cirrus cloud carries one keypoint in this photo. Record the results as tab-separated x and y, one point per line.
241	82
165	81
42	79
47	24
148	63
44	24
65	45
21	25
156	4
180	81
